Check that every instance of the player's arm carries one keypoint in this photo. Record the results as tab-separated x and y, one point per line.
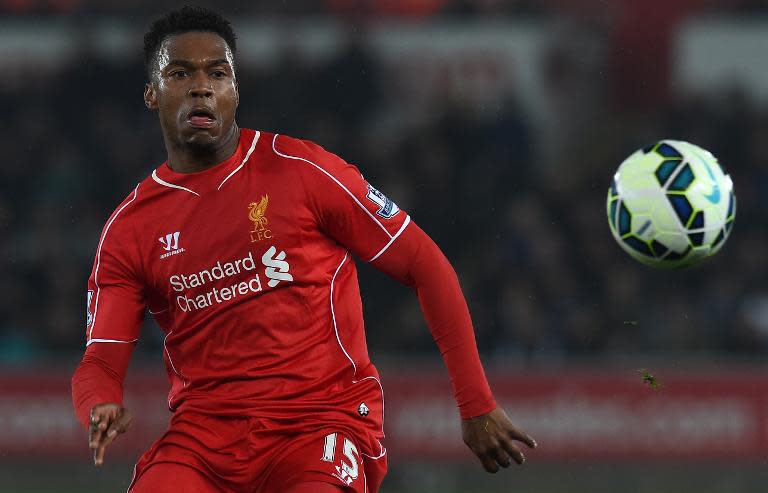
364	220
415	260
115	312
97	394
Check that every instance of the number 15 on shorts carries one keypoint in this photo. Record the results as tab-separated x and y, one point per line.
346	470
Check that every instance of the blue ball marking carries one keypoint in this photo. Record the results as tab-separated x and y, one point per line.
719	239
643	228
665	170
682	207
625	220
731	204
728	225
696	239
658	248
698	221
683	179
667	150
639	246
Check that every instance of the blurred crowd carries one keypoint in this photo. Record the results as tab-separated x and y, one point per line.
416	9
521	215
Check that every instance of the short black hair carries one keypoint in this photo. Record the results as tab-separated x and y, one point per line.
185	19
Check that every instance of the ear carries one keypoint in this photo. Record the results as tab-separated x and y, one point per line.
237	94
150	96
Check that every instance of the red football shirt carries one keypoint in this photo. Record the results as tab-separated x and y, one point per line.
247	267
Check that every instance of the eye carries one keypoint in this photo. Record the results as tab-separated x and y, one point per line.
178	74
219	74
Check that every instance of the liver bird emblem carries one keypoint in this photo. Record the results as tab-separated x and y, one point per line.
257	211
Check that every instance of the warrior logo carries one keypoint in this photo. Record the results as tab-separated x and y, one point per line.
257	214
363	409
170	244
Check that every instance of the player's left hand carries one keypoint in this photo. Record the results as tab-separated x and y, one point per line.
492	438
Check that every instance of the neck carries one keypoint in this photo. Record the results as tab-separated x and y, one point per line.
184	158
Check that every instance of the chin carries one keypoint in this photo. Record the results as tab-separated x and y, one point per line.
202	142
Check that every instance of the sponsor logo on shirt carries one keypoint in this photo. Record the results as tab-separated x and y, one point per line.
257	214
191	299
387	208
277	267
170	244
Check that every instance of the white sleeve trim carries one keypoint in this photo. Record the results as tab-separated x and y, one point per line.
245	159
98	260
274	148
109	340
399	231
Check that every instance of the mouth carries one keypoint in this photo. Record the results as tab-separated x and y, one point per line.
201	118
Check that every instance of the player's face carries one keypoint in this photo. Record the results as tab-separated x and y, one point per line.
195	90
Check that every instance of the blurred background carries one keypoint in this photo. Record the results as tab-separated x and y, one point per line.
497	125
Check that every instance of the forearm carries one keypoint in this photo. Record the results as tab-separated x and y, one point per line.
419	263
448	319
99	377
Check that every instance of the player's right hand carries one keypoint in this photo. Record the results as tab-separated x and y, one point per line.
107	422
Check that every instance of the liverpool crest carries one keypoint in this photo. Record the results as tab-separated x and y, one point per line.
257	214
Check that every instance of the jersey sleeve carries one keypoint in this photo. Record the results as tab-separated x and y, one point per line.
348	208
115	291
416	261
99	378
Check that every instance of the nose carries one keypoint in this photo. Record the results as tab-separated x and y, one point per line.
201	85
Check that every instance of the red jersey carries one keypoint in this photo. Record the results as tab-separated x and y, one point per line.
247	267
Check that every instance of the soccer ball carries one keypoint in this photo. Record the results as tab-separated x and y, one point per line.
670	204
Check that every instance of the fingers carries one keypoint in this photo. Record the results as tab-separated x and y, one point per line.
497	457
120	426
489	463
106	425
101	447
513	451
94	433
502	457
493	438
522	436
494	456
101	418
98	455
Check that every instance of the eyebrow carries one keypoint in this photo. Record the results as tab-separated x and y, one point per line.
188	64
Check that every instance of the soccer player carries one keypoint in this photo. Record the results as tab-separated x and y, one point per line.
241	246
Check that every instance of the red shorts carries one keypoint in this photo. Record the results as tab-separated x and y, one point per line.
254	455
